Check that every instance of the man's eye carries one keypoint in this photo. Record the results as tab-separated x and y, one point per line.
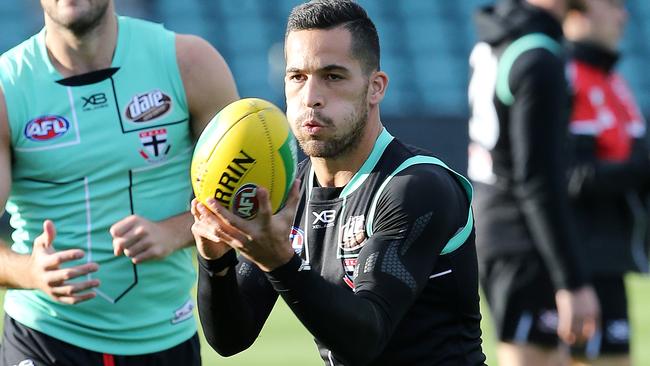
296	77
334	77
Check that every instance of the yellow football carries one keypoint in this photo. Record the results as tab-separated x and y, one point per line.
246	145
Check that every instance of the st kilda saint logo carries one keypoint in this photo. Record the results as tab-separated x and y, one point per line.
154	145
147	106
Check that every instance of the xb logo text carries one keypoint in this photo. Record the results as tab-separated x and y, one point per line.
326	217
95	99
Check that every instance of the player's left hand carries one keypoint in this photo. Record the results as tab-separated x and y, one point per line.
264	240
142	240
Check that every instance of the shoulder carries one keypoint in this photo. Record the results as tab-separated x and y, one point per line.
424	177
425	183
17	59
537	63
421	191
531	53
194	51
208	82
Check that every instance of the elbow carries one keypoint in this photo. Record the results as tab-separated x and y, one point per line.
226	339
227	346
357	358
372	344
371	334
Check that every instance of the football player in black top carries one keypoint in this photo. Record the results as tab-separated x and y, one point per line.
610	172
533	279
374	249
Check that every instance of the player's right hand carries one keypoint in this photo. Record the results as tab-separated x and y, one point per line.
262	239
578	314
207	242
46	273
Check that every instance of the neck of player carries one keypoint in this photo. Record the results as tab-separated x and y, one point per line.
73	55
338	171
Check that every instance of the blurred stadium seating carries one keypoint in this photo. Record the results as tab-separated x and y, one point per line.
425	45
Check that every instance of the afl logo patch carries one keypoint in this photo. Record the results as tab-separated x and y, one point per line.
148	106
46	128
244	203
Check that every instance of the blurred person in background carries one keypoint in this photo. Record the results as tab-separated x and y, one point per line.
97	118
374	250
610	174
531	274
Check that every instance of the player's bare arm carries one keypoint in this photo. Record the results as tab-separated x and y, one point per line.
42	269
209	86
142	240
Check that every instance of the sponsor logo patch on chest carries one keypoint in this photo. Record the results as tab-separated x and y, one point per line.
353	233
147	106
45	128
94	101
323	219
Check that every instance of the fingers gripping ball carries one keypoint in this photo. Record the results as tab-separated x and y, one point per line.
246	145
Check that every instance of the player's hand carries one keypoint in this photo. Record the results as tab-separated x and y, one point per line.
264	240
204	230
578	314
46	274
142	240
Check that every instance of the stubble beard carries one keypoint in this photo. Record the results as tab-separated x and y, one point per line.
84	24
337	146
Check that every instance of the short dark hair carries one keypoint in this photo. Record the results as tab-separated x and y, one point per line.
578	5
328	14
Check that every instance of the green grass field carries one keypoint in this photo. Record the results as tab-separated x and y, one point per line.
285	342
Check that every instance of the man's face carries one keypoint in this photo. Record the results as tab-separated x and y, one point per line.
607	19
326	91
79	16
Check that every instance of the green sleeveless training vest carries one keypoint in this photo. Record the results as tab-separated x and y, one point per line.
88	151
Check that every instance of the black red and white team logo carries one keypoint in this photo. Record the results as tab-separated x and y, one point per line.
353	233
244	202
45	128
154	145
297	239
350	266
147	106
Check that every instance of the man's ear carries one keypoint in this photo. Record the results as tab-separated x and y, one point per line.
377	87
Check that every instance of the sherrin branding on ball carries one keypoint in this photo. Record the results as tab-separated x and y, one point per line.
248	144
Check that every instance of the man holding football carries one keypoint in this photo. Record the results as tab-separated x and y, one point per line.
391	277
